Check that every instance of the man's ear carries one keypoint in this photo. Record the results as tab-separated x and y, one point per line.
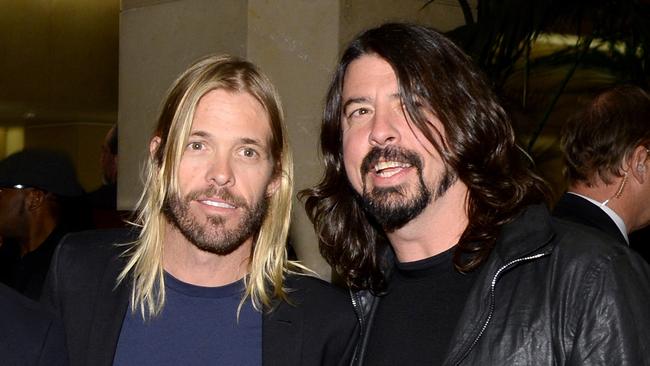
154	144
639	162
274	184
34	199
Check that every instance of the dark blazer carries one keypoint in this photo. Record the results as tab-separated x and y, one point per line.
316	329
29	333
577	209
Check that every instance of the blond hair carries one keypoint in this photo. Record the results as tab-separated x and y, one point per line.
269	263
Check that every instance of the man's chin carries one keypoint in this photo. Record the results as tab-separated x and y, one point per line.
393	208
217	246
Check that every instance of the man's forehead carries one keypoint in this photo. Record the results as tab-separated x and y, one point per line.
369	70
231	111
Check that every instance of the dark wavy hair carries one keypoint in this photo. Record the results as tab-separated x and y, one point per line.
598	138
479	148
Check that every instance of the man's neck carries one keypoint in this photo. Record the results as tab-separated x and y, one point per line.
189	264
41	226
436	229
602	192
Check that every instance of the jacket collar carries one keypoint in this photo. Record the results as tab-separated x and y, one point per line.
529	233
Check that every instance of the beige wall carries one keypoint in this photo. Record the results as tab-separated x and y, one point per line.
298	52
296	42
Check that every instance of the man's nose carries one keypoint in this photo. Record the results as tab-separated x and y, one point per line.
220	172
384	129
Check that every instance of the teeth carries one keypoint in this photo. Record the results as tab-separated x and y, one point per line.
390	164
217	204
387	174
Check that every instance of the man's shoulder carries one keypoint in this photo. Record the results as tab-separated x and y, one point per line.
318	320
82	256
312	291
97	243
26	325
26	314
580	245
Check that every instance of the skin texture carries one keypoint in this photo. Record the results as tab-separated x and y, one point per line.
26	217
13	212
225	172
373	118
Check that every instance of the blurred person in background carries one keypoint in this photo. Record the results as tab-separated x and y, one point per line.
40	201
103	200
606	148
105	197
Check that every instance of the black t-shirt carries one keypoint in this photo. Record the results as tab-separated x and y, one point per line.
417	316
27	274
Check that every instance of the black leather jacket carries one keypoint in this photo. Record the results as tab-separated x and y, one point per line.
551	293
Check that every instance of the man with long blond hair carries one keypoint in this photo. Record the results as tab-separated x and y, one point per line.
204	279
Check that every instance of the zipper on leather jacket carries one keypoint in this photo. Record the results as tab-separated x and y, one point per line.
356	304
492	298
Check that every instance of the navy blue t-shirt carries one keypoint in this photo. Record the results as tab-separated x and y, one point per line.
197	326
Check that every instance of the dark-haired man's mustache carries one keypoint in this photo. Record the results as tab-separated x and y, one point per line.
391	153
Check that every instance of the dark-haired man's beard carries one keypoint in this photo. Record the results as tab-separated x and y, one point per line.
394	207
212	235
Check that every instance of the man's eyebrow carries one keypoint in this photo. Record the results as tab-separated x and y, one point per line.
242	140
366	100
354	100
252	141
200	133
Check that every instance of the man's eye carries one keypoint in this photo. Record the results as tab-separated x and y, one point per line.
195	146
249	153
358	112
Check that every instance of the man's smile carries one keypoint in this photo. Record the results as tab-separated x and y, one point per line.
216	203
387	169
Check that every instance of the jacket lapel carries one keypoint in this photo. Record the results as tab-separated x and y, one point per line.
110	307
282	335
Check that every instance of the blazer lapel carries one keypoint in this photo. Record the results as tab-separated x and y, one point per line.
111	305
282	335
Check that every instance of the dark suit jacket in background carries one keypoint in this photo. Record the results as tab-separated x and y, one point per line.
29	334
577	209
316	329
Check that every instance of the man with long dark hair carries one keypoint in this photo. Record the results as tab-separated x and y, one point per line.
431	216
